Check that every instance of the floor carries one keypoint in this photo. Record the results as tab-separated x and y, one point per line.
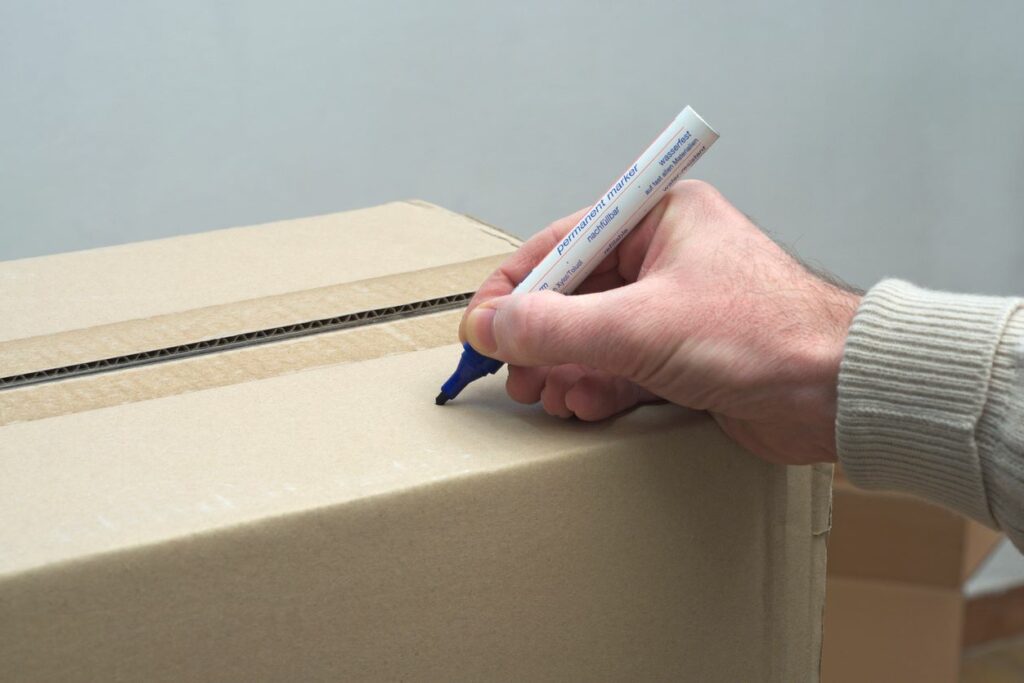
1001	662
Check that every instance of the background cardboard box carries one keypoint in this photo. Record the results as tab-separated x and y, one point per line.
299	509
895	608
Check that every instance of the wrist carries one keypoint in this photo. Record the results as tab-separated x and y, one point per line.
820	397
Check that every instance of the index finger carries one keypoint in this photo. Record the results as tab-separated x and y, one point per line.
519	264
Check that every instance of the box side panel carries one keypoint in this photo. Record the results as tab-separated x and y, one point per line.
642	561
52	294
891	633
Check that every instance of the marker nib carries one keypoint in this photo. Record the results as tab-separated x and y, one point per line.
441	399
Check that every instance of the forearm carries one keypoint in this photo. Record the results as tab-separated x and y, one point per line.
931	401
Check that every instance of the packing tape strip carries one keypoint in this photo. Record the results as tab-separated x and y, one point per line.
240	321
244	364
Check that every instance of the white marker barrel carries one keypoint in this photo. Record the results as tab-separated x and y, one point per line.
624	205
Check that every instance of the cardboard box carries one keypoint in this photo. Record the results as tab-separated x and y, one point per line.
220	459
895	609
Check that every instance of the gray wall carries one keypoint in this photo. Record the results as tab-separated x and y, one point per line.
877	137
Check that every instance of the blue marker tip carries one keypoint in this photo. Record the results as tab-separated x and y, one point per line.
472	366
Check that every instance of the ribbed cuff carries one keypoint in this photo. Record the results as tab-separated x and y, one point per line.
1004	387
913	385
1000	432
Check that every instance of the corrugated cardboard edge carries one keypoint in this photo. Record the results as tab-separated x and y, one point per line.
173	329
224	368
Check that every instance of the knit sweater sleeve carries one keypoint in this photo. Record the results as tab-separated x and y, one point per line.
931	401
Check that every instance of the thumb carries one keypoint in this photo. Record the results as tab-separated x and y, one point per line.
545	328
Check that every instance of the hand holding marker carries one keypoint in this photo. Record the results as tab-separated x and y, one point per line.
621	208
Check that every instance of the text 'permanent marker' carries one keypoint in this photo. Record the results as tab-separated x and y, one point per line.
618	211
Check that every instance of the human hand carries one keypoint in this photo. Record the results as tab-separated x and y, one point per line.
696	306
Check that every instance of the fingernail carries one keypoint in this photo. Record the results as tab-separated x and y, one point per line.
480	330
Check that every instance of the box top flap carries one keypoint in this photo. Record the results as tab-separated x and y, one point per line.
52	294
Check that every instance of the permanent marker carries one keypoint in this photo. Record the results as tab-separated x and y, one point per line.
615	213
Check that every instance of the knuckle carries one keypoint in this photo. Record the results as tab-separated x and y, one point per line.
695	188
557	226
699	195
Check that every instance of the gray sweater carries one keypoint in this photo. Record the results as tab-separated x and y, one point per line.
931	401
